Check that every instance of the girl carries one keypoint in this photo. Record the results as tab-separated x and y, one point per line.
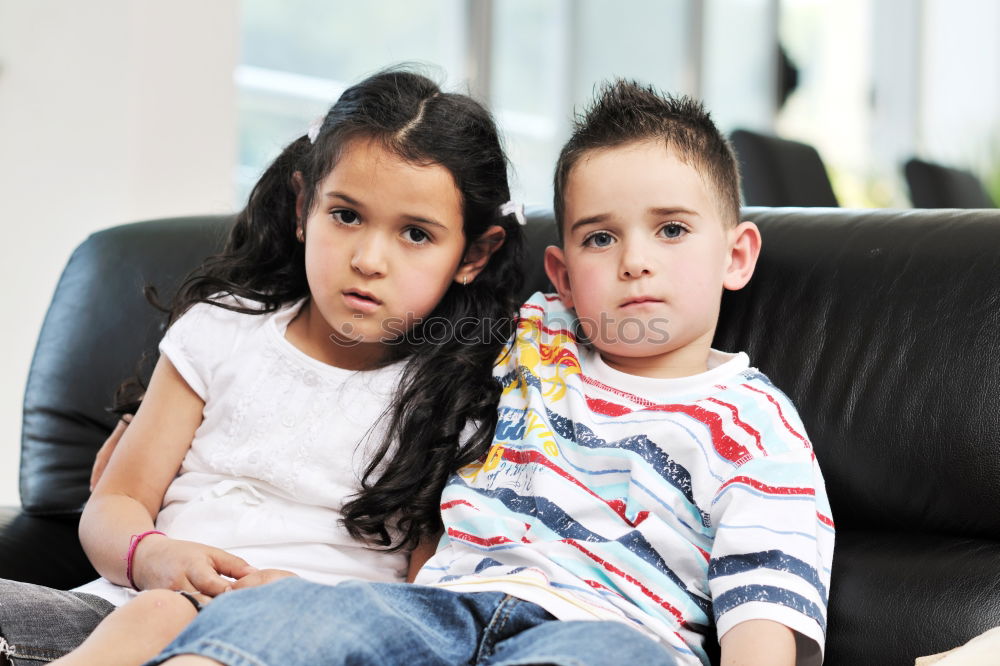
320	380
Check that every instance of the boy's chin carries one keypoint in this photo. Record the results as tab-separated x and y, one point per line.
632	351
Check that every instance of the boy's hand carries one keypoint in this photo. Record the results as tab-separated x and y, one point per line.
758	643
261	577
162	562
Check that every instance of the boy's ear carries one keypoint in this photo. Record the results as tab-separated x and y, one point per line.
479	253
555	268
298	184
744	248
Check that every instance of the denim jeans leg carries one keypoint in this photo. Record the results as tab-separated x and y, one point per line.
574	643
294	622
39	624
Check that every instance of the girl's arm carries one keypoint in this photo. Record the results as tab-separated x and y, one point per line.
419	555
129	494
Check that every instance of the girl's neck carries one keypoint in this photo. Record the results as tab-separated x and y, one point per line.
311	335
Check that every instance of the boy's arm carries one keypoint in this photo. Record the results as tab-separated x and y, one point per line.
758	643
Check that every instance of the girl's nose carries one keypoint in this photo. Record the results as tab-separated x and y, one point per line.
369	256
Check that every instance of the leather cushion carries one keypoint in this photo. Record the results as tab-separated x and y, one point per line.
883	327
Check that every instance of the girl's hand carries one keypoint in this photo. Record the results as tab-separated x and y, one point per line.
261	577
104	453
162	562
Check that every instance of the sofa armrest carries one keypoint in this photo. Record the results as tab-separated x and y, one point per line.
42	549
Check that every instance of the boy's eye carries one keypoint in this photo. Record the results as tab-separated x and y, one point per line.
673	230
599	239
345	216
416	235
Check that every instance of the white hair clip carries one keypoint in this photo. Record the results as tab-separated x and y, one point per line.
515	209
314	127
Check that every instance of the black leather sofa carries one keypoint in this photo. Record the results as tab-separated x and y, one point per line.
883	326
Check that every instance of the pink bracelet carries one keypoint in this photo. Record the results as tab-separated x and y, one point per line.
132	545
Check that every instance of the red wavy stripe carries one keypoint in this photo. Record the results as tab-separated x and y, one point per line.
781	415
726	446
448	505
739	422
631	579
764	488
524	457
471	538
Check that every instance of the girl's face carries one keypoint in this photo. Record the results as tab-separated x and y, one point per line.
384	241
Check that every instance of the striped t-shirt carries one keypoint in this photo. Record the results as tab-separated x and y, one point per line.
665	503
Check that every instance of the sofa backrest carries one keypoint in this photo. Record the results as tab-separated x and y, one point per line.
98	327
95	331
883	326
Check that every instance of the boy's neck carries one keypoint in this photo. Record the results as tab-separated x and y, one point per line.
688	361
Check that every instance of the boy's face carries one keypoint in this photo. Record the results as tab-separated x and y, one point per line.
645	257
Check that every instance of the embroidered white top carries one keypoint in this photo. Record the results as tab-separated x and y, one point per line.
284	442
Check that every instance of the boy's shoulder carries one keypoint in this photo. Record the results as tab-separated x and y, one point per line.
732	400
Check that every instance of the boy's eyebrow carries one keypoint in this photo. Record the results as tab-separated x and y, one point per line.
358	204
674	210
604	217
593	219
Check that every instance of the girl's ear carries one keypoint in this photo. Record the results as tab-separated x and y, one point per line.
479	253
298	184
555	268
744	248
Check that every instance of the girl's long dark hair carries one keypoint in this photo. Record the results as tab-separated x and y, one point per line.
446	383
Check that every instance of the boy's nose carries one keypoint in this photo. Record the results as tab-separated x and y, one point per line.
369	257
634	262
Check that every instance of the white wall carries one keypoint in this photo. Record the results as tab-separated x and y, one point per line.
110	111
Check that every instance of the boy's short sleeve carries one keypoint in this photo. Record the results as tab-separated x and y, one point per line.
773	546
199	340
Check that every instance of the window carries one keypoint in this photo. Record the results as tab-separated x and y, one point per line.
299	55
533	62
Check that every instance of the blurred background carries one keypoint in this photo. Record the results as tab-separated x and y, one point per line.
119	110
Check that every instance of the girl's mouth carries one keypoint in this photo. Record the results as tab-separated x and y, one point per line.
361	300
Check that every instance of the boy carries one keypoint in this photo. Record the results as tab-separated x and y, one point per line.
640	485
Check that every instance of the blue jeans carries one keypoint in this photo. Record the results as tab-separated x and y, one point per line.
296	622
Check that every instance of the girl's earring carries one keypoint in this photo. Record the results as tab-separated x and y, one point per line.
300	234
465	280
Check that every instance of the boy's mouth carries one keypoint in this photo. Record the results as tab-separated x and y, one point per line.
639	300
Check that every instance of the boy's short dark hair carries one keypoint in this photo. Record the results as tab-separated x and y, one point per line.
626	112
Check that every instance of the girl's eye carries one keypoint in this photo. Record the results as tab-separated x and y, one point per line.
673	230
416	235
345	216
598	239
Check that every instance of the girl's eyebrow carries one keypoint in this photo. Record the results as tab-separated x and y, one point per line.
424	220
358	204
341	195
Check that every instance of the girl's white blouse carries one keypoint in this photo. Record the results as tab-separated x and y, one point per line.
283	445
